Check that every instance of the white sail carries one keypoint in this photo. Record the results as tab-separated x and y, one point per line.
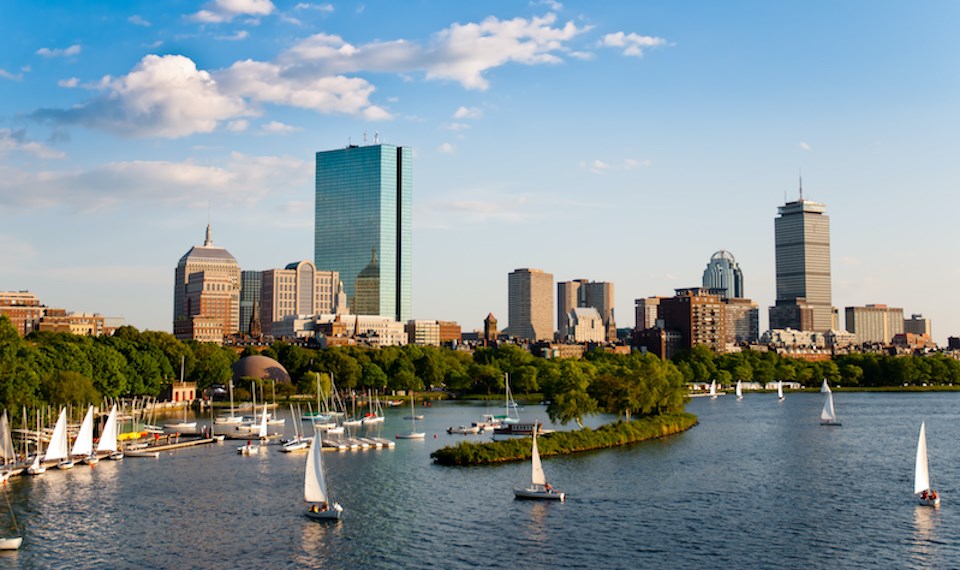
780	389
825	388
83	445
739	389
314	487
713	387
262	431
6	441
921	480
108	439
828	414
58	441
538	476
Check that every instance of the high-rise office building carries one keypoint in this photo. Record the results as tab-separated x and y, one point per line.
249	297
804	299
582	293
916	324
874	324
206	293
722	272
530	304
363	205
299	289
646	312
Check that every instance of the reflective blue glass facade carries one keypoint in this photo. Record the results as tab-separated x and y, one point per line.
364	208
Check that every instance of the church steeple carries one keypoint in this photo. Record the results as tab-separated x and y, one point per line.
209	239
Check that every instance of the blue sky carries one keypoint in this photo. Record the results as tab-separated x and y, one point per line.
614	141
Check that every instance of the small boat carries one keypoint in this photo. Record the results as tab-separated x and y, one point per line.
108	438
141	453
57	449
780	390
413	433
315	486
713	389
11	542
828	417
249	449
518	429
926	495
539	489
739	390
465	430
83	445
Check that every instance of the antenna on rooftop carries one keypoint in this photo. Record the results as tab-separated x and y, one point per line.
376	137
801	185
364	138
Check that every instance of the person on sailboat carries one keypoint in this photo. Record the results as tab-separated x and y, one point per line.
548	488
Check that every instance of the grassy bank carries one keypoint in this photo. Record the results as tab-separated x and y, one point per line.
565	442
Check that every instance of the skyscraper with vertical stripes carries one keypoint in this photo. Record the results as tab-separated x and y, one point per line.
363	225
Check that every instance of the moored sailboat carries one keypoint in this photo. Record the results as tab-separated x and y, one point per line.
83	445
739	390
713	389
539	489
413	433
11	542
57	449
780	390
926	495
108	437
315	486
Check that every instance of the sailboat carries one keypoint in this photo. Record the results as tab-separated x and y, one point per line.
315	486
6	449
37	468
780	390
83	445
413	433
828	417
713	389
250	448
739	390
57	449
11	542
183	426
108	437
927	496
539	489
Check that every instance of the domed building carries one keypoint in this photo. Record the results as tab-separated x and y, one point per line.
722	272
259	366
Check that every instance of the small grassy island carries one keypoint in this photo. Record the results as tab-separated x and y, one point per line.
565	442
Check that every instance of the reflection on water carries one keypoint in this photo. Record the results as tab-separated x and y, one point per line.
758	484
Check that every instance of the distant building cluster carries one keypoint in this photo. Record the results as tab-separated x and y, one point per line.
28	314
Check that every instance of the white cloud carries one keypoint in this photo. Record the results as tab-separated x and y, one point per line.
630	163
219	11
243	180
446	148
583	55
276	127
58	52
68	83
456	126
239	35
17	141
552	4
467	113
7	75
599	167
804	146
328	8
154	45
237	126
481	207
163	96
138	21
632	44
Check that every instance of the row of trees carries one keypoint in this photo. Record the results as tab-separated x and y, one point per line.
861	369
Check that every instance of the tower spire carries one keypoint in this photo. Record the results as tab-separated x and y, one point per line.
801	185
209	239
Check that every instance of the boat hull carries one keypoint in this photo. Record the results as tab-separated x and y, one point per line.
414	435
327	515
830	423
12	543
538	495
929	502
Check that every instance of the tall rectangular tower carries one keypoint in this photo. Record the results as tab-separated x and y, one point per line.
804	300
530	304
363	225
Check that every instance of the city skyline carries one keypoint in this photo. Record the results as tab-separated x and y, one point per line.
676	128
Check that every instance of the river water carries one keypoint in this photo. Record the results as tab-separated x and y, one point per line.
757	484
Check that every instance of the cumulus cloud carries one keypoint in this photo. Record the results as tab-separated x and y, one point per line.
17	141
243	180
237	126
328	8
239	35
164	96
219	11
137	20
446	148
57	52
68	83
12	76
804	146
276	127
599	167
467	113
632	44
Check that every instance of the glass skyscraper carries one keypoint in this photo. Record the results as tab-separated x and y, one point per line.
363	225
722	272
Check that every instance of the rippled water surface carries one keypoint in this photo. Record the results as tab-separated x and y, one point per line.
758	484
